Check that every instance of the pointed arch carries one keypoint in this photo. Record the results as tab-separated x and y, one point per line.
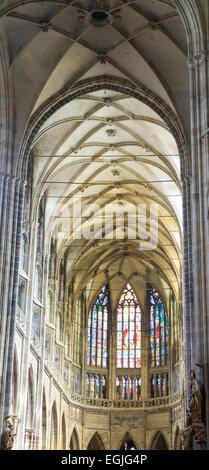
128	330
29	421
159	442
74	441
127	442
54	428
96	442
191	16
98	329
177	440
158	330
64	441
44	420
127	282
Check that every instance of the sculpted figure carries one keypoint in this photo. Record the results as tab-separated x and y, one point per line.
196	399
8	436
196	407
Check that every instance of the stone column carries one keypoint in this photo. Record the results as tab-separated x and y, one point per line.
197	347
29	438
111	384
84	326
39	394
188	319
171	340
145	347
12	191
27	340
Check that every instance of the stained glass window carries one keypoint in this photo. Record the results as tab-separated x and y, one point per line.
96	386
158	330
98	329
138	388
128	330
103	387
128	388
88	385
118	388
92	386
66	372
76	337
152	386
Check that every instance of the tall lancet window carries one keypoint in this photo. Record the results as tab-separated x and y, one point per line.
97	329
158	330
128	330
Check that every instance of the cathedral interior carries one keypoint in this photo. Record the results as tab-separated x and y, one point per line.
104	330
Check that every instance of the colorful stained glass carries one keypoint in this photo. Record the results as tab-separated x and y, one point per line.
128	330
163	386
128	388
138	388
98	386
104	387
98	329
158	330
118	388
92	386
66	372
95	386
88	385
158	386
152	386
167	384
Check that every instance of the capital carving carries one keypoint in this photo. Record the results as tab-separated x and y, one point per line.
187	179
197	60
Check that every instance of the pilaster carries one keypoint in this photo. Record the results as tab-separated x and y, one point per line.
198	325
12	202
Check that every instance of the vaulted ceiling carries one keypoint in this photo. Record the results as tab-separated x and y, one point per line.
104	146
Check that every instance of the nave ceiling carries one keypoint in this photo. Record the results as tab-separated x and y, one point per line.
105	146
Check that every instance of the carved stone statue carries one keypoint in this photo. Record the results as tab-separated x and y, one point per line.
196	399
9	434
196	407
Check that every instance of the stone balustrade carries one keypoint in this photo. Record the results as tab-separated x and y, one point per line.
141	404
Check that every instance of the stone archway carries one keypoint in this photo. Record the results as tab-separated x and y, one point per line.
63	432
177	440
128	443
44	421
11	284
96	442
74	442
54	428
159	442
